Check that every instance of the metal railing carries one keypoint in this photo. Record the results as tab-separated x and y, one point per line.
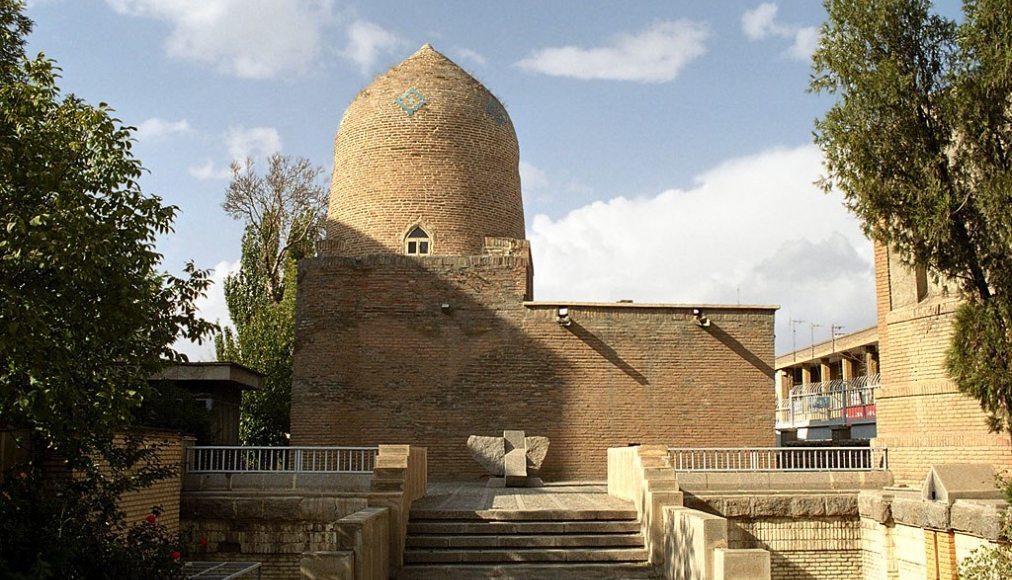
830	402
780	459
231	459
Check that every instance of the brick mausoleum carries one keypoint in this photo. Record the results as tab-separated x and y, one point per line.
417	324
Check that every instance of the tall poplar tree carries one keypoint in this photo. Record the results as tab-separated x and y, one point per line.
919	142
283	211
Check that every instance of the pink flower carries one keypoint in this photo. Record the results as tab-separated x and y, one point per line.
150	519
175	555
203	541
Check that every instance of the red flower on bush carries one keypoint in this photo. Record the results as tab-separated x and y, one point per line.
150	519
202	541
175	555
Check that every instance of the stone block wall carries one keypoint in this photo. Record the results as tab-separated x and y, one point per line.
922	418
379	358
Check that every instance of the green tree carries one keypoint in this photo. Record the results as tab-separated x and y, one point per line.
919	142
283	211
85	316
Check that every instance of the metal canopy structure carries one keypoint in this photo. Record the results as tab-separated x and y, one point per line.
222	570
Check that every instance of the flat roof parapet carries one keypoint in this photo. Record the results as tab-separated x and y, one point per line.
645	305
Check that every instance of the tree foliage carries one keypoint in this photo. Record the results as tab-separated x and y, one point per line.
283	211
85	315
920	143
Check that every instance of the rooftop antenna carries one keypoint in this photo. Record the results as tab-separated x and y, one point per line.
794	337
836	330
811	327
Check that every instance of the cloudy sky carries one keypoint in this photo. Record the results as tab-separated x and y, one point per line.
666	146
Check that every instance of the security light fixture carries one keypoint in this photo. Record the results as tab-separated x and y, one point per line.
445	307
699	318
562	316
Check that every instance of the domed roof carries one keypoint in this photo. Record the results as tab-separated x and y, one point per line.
427	146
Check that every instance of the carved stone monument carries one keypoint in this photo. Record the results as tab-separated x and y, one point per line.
512	460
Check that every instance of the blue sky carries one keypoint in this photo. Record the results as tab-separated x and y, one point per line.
666	148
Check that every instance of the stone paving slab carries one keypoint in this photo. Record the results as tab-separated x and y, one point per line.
443	499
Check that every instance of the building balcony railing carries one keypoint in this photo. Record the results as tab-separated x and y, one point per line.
829	403
219	459
755	459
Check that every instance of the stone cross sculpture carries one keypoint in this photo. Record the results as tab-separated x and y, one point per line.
512	460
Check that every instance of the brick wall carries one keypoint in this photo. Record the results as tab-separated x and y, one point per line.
922	417
378	360
811	548
452	166
164	493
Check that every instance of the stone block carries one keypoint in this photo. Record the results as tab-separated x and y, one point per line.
327	565
489	452
949	482
808	505
841	505
537	449
875	505
921	513
741	564
770	505
514	439
515	466
979	517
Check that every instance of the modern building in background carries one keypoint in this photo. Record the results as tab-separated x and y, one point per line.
826	391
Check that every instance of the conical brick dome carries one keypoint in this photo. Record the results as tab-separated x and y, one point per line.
424	146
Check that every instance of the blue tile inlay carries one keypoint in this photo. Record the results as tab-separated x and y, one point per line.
411	101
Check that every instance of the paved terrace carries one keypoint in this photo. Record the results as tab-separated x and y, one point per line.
472	500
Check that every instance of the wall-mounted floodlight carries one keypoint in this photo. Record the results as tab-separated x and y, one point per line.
562	316
699	318
445	307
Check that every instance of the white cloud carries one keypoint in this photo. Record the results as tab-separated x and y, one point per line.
366	42
806	40
211	307
472	56
532	177
655	54
245	38
754	226
761	22
252	142
209	171
155	128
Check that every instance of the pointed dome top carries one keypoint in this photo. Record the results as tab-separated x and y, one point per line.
425	144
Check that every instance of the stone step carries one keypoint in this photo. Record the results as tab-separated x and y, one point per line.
462	555
444	527
524	515
525	541
567	571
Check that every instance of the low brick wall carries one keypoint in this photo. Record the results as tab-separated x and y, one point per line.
164	493
810	535
911	537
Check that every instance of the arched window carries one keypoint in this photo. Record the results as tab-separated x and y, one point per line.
417	243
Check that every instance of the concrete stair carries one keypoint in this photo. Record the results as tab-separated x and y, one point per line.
525	544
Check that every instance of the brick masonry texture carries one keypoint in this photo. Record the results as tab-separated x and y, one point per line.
380	360
377	360
809	549
922	418
451	166
164	493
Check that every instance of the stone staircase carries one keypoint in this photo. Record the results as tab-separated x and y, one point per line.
525	544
